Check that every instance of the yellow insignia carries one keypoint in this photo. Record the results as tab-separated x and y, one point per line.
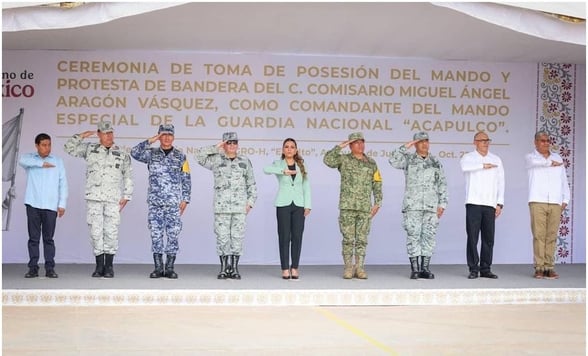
377	176
186	167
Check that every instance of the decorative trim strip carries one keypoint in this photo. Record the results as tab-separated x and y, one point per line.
76	297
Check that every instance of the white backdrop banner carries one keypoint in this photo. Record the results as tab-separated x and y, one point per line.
318	100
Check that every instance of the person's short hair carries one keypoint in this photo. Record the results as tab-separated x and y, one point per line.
40	137
539	134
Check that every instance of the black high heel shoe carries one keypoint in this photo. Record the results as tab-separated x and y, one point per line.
286	277
294	276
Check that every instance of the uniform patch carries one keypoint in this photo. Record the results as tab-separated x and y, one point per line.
377	176
186	167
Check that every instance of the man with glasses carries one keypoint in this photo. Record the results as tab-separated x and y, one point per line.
484	198
549	195
235	193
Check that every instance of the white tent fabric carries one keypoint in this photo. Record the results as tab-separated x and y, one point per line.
530	22
48	17
508	33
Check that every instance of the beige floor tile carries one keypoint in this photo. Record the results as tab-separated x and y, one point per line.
545	329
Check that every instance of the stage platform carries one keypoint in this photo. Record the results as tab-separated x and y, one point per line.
263	286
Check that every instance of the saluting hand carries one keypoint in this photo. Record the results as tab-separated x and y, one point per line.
345	143
87	134
154	138
411	143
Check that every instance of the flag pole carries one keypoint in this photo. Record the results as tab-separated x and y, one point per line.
13	179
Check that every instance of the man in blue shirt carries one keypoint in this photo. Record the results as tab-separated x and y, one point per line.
45	198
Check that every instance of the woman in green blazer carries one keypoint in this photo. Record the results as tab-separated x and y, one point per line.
292	205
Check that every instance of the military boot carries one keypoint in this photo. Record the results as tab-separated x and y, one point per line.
223	271
348	269
414	267
108	269
99	272
235	267
425	273
169	267
158	271
359	267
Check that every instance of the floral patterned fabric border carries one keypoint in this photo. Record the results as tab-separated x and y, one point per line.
556	114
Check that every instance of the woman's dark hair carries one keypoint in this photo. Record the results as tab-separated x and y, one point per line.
297	158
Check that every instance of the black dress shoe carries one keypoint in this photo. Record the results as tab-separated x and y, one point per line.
51	274
488	275
473	275
32	273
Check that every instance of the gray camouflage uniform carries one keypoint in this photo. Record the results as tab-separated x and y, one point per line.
426	190
234	189
108	180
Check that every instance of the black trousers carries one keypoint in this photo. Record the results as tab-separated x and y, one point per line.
480	221
290	229
41	221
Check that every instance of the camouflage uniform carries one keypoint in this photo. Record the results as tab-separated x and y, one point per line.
360	179
426	190
234	189
108	180
169	185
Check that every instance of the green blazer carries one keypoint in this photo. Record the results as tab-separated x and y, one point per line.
297	191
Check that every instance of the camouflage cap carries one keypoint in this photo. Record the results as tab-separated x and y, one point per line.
105	126
166	129
356	136
420	136
230	136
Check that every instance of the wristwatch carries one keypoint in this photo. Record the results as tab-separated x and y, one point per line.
500	205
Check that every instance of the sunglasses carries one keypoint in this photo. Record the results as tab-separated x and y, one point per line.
232	142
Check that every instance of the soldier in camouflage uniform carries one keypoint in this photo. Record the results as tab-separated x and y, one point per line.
235	193
425	199
109	186
168	196
360	179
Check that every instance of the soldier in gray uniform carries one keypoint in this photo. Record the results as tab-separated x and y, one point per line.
168	196
235	193
109	186
425	200
360	180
